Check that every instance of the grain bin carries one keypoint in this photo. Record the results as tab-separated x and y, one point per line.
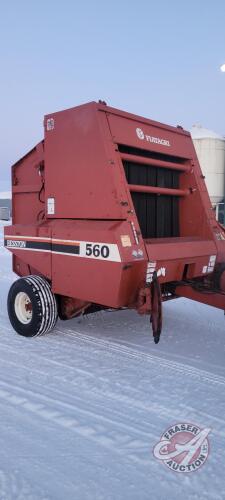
210	149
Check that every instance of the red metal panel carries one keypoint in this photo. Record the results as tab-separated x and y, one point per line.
26	188
26	185
39	261
79	173
174	253
101	281
175	248
151	136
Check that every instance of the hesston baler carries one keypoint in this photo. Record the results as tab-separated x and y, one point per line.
110	210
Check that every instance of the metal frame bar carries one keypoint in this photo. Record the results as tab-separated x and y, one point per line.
158	190
154	162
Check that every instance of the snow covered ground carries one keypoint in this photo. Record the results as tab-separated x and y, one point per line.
82	408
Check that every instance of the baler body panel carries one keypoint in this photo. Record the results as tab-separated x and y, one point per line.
86	177
31	247
146	134
177	256
85	252
109	269
26	186
108	200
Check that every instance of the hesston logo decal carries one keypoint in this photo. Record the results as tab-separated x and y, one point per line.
15	243
183	447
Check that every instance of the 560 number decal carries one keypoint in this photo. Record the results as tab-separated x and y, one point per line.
96	250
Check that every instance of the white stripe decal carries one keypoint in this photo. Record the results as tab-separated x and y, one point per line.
18	237
28	249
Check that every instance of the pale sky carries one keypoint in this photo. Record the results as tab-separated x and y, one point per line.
157	59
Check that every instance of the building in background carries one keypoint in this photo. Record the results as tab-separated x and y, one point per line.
5	205
210	149
4	213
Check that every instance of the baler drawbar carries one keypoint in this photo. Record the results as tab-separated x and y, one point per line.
110	210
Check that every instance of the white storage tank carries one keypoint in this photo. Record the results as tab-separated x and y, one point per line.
210	149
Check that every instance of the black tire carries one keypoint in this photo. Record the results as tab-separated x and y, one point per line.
40	306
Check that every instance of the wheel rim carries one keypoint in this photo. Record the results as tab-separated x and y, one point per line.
23	308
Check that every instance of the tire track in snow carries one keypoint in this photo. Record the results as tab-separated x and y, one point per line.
163	412
132	399
14	486
100	396
56	411
160	361
122	439
139	355
82	374
152	359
